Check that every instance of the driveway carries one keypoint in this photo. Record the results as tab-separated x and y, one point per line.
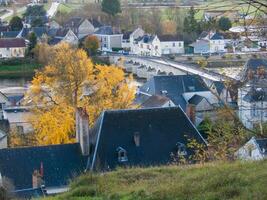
53	9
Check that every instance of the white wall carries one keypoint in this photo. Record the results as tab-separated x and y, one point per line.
249	151
12	52
172	47
217	46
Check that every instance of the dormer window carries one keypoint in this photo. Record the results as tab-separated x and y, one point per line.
181	149
122	155
164	92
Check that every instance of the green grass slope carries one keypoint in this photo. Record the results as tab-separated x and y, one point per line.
210	182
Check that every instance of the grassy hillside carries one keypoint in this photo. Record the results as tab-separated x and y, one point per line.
212	181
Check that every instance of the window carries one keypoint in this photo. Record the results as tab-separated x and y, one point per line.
180	44
122	155
156	47
181	149
173	44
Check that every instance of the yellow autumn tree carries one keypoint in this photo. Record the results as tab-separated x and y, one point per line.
60	88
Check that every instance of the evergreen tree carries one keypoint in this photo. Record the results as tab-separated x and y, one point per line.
224	23
33	41
111	7
16	23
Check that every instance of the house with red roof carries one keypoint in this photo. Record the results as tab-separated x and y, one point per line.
12	48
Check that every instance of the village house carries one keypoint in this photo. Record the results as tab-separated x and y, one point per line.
109	38
129	38
82	27
210	42
171	44
252	95
254	149
147	45
129	137
12	48
62	35
47	170
188	91
3	139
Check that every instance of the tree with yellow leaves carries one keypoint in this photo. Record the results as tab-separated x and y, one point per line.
60	88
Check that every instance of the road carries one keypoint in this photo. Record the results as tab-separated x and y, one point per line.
53	9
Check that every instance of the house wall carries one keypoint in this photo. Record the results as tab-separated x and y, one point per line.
85	29
250	151
71	38
12	52
207	94
217	46
19	119
251	113
201	48
3	143
115	41
172	47
148	49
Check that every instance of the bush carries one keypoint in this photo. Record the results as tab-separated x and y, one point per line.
238	56
189	58
223	56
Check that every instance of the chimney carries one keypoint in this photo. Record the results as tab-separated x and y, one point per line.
137	139
191	112
36	179
82	130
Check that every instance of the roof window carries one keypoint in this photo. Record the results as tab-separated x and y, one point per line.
122	155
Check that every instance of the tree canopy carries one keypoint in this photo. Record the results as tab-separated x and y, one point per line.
35	15
71	80
91	44
111	7
16	23
224	23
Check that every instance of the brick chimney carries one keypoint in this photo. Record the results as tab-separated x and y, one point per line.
191	112
36	179
137	139
82	130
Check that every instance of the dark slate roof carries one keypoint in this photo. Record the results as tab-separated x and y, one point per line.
60	163
160	129
24	33
54	41
62	32
169	38
126	35
74	22
174	87
106	30
146	38
52	32
10	34
262	143
95	22
12	42
15	98
256	95
155	101
255	63
39	31
219	86
196	99
217	36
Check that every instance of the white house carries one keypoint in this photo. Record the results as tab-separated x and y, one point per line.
130	37
109	38
82	27
64	35
171	44
147	45
254	149
12	48
210	42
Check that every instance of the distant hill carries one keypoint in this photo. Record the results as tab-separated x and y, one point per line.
247	180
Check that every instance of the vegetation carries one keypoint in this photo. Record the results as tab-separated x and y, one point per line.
210	181
36	15
71	80
91	45
32	40
111	7
16	23
224	23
